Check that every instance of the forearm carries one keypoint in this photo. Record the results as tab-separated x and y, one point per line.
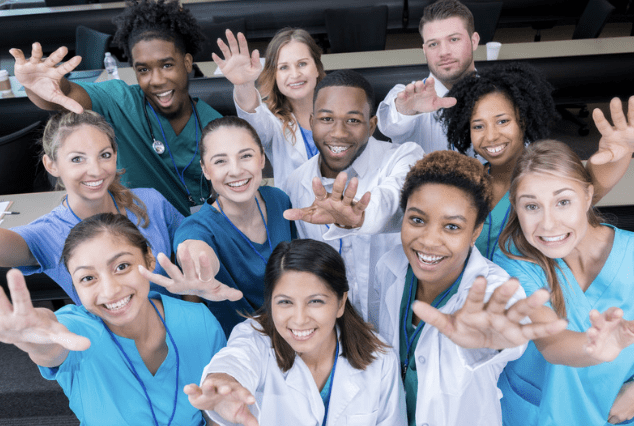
566	348
14	251
247	97
606	176
50	355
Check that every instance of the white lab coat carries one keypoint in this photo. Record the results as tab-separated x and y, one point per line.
373	396
284	155
424	129
381	169
456	386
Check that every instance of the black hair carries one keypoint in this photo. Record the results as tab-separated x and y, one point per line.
157	19
348	78
522	85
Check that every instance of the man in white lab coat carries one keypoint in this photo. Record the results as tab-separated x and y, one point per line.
351	161
408	113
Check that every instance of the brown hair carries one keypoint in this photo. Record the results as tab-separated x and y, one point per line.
229	121
358	342
278	103
553	158
445	9
61	126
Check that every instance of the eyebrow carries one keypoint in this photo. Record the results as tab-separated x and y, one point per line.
226	155
448	36
454	217
496	116
168	59
301	59
109	261
327	111
559	191
312	295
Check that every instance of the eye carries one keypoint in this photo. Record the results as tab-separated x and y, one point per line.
477	127
317	302
563	203
168	65
417	220
302	64
219	161
503	121
76	159
354	120
86	280
283	67
247	156
530	207
141	70
432	45
122	266
283	302
106	155
455	39
452	227
326	119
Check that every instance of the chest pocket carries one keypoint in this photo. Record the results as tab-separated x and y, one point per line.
362	419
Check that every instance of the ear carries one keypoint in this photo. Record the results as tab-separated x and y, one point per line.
189	62
475	39
373	122
50	165
262	160
342	305
204	169
310	120
590	196
150	260
476	233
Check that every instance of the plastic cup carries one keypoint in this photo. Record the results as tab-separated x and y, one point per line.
493	50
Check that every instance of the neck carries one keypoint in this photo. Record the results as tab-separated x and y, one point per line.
322	359
179	122
146	326
86	208
427	291
241	214
591	252
302	109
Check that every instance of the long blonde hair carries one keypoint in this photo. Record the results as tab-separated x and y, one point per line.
61	126
556	159
278	103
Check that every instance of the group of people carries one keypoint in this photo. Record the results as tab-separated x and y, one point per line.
371	285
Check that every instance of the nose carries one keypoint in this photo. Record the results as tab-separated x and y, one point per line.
491	133
295	71
94	168
430	238
339	129
443	48
156	77
110	287
234	168
299	315
548	219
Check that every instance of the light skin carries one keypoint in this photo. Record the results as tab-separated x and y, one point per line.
438	232
449	48
342	126
304	310
296	75
159	68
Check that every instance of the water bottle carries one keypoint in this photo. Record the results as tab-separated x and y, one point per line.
111	66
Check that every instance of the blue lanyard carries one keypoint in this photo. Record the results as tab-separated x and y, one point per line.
245	237
181	175
340	241
421	324
490	256
311	150
331	379
136	374
78	219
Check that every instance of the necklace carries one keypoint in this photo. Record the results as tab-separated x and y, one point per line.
244	236
77	217
136	374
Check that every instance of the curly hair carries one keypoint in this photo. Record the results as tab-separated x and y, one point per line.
157	19
522	85
453	169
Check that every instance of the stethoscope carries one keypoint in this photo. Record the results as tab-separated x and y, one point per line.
159	147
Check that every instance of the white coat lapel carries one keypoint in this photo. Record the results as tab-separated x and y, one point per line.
301	381
347	383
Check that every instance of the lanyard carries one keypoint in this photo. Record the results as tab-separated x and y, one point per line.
331	379
78	219
136	375
311	150
490	256
437	302
181	175
245	237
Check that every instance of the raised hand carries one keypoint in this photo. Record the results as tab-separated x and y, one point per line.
616	141
224	395
421	96
623	407
34	330
193	280
45	78
609	334
237	65
491	325
339	207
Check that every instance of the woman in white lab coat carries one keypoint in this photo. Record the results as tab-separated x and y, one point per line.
454	346
308	358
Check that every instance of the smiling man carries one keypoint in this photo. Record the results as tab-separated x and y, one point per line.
342	122
158	125
408	112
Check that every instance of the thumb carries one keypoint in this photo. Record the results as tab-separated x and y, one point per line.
293	214
603	156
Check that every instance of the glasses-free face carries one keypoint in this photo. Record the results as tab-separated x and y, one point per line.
161	71
296	74
449	49
86	164
438	231
304	311
553	213
496	131
233	163
106	277
341	125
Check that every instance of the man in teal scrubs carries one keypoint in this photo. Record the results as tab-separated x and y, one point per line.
158	125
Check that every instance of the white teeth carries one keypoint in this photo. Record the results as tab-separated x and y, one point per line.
238	183
425	258
161	95
338	149
95	183
297	84
118	305
552	239
495	149
303	333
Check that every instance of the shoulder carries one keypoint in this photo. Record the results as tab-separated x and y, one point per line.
276	195
206	112
393	263
193	317
79	321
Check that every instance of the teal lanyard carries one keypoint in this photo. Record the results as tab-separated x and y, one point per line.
330	379
77	217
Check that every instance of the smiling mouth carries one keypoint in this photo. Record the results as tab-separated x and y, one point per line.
429	259
302	334
495	149
165	97
93	184
555	239
296	85
239	183
338	149
118	305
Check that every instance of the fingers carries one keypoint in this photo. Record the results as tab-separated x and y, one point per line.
233	43
18	55
226	53
433	317
205	269
501	295
630	111
616	111
339	186
54	58
36	53
319	190
172	270
69	340
192	390
525	307
475	298
447	102
350	192
19	294
539	330
242	43
295	214
255	59
362	203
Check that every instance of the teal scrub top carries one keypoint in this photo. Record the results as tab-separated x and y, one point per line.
487	242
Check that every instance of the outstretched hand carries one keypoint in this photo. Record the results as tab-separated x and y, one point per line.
609	334
339	207
616	141
490	325
44	77
420	97
623	406
237	66
25	326
192	280
224	395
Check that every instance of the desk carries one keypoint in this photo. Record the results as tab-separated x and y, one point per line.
30	206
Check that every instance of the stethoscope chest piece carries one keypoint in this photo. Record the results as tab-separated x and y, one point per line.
159	147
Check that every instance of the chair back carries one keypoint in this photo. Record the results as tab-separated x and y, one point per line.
485	18
92	46
213	31
358	29
593	19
